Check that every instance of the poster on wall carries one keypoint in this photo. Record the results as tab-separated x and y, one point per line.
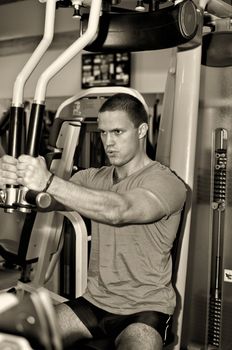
105	69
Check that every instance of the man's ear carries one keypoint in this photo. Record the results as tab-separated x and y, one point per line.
142	130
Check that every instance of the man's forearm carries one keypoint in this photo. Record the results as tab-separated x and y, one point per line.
102	206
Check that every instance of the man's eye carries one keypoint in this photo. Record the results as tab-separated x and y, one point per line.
103	132
118	132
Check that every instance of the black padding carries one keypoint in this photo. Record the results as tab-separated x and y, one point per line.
35	129
16	132
136	31
217	49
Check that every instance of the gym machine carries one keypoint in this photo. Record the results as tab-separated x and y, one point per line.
41	232
209	295
17	129
13	224
17	199
201	156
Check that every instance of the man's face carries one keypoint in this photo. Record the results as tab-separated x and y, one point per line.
119	137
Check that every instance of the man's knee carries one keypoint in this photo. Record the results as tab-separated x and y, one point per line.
139	336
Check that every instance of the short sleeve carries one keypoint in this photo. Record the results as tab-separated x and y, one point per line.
167	187
83	177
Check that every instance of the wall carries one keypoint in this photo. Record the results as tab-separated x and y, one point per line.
26	18
66	82
149	70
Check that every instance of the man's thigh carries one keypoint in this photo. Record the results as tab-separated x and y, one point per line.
75	320
89	314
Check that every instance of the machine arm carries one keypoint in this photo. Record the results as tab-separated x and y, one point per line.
17	128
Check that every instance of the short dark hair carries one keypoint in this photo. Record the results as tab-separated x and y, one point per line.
128	103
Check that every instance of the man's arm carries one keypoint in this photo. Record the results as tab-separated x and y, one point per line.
135	206
132	207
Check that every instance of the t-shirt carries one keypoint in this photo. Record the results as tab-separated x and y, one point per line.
130	266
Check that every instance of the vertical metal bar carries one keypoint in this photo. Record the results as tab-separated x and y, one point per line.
218	174
183	145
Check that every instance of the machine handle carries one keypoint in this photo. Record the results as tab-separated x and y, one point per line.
42	200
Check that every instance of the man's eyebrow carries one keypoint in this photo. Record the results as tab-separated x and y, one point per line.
111	130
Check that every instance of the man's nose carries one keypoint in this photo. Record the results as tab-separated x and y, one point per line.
109	140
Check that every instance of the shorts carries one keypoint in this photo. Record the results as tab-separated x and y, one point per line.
102	323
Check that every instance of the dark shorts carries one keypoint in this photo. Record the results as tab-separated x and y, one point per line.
102	324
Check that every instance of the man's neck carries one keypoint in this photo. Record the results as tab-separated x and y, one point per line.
122	172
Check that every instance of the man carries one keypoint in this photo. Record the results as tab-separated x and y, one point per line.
135	206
